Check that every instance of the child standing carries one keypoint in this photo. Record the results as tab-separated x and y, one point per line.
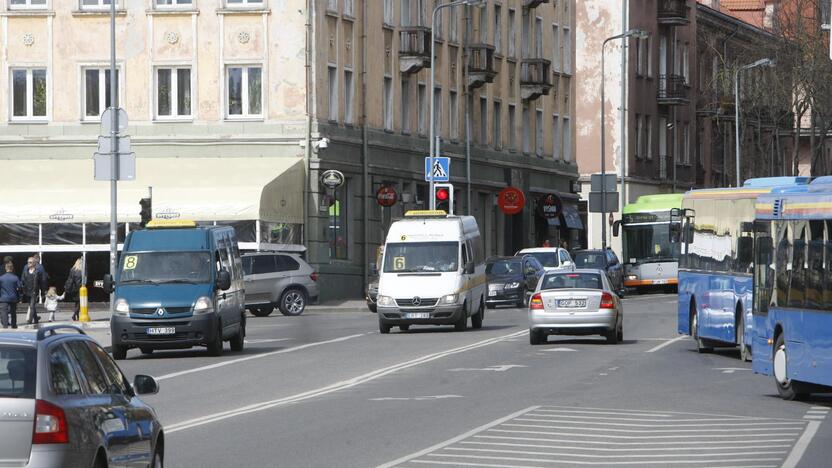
51	303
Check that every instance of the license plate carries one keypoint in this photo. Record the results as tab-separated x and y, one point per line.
161	331
417	315
571	303
663	281
492	293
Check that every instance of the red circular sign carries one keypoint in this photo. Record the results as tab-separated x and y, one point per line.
387	196
511	200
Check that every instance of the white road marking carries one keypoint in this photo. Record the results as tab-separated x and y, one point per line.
555	350
801	445
647	449
456	463
824	408
666	343
265	340
654	413
256	356
769	442
618	455
605	462
420	398
670	424
501	368
708	420
731	370
645	431
338	386
752	437
814	418
817	412
592	411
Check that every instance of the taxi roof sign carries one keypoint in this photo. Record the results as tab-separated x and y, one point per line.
170	224
426	214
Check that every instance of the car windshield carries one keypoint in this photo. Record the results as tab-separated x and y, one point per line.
17	372
417	257
165	267
649	243
503	267
590	260
572	281
547	259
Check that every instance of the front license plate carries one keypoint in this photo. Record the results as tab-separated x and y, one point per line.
664	281
492	293
417	315
571	303
161	331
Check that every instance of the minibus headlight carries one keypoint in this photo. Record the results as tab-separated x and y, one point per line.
385	301
450	299
632	277
122	308
203	305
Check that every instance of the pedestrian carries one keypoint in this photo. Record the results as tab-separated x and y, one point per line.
9	296
73	286
51	302
546	243
33	285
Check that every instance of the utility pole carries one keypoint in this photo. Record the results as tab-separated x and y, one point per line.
114	170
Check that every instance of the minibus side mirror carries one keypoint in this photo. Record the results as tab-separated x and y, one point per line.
108	285
223	280
616	226
675	232
689	233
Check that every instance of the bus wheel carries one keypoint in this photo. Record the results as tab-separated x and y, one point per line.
787	388
694	331
745	351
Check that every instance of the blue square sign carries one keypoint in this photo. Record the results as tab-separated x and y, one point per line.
441	169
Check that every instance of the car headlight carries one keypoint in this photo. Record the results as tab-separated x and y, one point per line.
203	305
513	285
385	301
632	277
122	308
450	299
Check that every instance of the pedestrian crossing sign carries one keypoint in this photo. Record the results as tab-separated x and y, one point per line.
441	169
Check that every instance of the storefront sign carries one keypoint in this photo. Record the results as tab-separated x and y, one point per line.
332	179
511	200
61	215
549	206
387	196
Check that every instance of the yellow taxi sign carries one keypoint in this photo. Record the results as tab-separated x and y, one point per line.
426	213
170	224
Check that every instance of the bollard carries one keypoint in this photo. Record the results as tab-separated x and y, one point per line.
83	315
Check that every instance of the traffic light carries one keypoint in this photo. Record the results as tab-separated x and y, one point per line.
147	211
443	195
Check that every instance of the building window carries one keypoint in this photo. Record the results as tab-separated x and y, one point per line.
173	92
348	97
567	51
453	25
453	115
484	121
538	37
29	93
538	132
527	123
512	32
423	109
512	127
237	3
165	3
641	57
245	91
96	92
388	103
388	12
648	129
686	63
556	138
567	139
332	5
649	51
483	24
556	48
349	9
339	223
686	142
405	105
525	33
405	13
498	29
498	126
437	28
25	4
639	137
93	4
332	79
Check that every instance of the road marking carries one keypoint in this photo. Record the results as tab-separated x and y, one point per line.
421	398
485	465
666	343
648	449
615	456
801	445
265	340
338	386
501	368
458	438
256	356
768	442
539	414
605	423
647	431
753	437
730	370
555	350
813	417
605	462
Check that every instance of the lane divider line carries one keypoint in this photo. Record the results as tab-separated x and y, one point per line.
801	445
666	343
338	386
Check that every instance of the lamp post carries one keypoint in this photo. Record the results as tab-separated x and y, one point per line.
766	62
434	138
632	32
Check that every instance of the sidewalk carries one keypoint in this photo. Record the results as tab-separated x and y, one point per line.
98	327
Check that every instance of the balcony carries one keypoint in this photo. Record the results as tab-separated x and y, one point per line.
673	12
480	65
414	48
673	91
533	3
535	78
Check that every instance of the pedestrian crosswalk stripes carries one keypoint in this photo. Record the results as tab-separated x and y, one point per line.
552	436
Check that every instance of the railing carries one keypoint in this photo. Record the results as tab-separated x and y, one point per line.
414	41
481	58
673	12
535	71
673	90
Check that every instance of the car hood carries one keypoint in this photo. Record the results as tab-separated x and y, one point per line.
147	296
404	285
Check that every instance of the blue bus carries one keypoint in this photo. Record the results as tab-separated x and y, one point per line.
792	333
715	271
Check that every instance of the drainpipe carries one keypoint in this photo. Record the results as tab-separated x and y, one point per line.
468	98
307	153
365	155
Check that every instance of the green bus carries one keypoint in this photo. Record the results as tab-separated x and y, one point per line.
650	258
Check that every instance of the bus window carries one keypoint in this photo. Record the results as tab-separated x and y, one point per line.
814	274
782	265
797	289
827	286
764	270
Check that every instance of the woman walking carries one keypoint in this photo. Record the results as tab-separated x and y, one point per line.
73	285
33	284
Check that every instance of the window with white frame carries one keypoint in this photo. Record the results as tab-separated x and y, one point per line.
388	103
26	4
639	136
567	139
96	4
453	25
686	62
556	48
169	3
498	29
525	34
686	143
348	97
538	132
556	137
332	5
388	12
483	24
28	93
96	91
405	117
567	51
648	130
244	91
512	127
173	92
437	27
453	114
538	37
332	80
484	120
238	3
512	32
423	109
405	12
349	9
498	125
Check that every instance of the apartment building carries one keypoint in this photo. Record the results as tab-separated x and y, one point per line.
237	107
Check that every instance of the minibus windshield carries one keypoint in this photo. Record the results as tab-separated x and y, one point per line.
165	267
417	257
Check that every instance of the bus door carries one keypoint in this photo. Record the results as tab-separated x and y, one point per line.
764	277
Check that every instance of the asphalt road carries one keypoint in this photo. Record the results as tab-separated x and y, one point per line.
325	389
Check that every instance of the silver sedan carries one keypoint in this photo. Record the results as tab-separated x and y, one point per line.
580	302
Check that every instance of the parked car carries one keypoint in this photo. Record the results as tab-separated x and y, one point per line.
65	402
371	295
511	280
580	302
603	260
278	279
552	258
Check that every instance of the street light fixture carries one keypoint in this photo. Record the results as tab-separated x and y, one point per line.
766	62
638	33
434	138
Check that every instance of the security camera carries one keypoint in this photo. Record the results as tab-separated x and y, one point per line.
323	143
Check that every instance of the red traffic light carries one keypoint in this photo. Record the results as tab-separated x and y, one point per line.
442	194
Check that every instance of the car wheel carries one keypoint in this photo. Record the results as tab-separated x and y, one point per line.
238	342
524	301
215	347
404	328
490	306
372	308
787	388
476	320
536	338
262	311
694	331
621	333
119	352
146	350
612	336
383	328
100	460
292	302
158	459
462	323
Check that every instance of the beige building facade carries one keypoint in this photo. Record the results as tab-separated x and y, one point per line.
236	108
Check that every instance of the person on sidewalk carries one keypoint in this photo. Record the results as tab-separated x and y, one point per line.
51	302
9	296
73	286
33	285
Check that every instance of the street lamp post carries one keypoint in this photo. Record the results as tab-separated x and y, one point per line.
767	62
632	32
434	137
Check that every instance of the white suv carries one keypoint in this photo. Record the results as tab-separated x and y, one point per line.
278	279
552	258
